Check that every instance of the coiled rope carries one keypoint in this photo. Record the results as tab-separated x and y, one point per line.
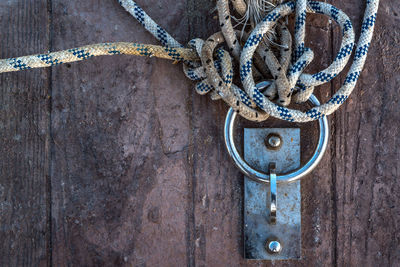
212	66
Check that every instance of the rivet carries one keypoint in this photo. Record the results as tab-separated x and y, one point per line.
273	141
273	247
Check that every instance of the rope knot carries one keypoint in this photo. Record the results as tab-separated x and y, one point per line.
289	80
216	77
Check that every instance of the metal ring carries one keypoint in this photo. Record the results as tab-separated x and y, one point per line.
258	176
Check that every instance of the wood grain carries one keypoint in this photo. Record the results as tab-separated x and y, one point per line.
366	152
116	161
24	138
121	135
218	184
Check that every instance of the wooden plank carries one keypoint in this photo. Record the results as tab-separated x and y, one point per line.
218	184
139	172
24	138
366	157
120	175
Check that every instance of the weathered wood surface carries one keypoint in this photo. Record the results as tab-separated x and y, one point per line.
367	158
117	161
24	138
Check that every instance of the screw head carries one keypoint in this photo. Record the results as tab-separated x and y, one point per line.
273	141
274	247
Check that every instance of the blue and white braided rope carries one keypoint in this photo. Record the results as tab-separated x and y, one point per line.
217	76
89	51
149	24
311	80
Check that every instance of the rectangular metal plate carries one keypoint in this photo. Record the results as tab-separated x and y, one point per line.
257	229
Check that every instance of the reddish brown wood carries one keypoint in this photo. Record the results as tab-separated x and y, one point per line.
24	138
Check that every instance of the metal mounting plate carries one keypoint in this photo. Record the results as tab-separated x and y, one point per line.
257	229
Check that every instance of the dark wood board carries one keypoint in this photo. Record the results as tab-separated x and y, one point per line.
366	157
116	161
24	138
121	136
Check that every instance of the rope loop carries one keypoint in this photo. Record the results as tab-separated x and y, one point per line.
289	80
300	84
216	77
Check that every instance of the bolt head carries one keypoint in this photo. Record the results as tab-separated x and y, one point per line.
274	247
273	141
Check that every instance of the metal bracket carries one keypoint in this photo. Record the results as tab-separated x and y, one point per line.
265	239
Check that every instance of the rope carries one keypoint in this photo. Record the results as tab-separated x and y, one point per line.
85	52
212	67
303	57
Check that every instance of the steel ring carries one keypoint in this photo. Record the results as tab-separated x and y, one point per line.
258	176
